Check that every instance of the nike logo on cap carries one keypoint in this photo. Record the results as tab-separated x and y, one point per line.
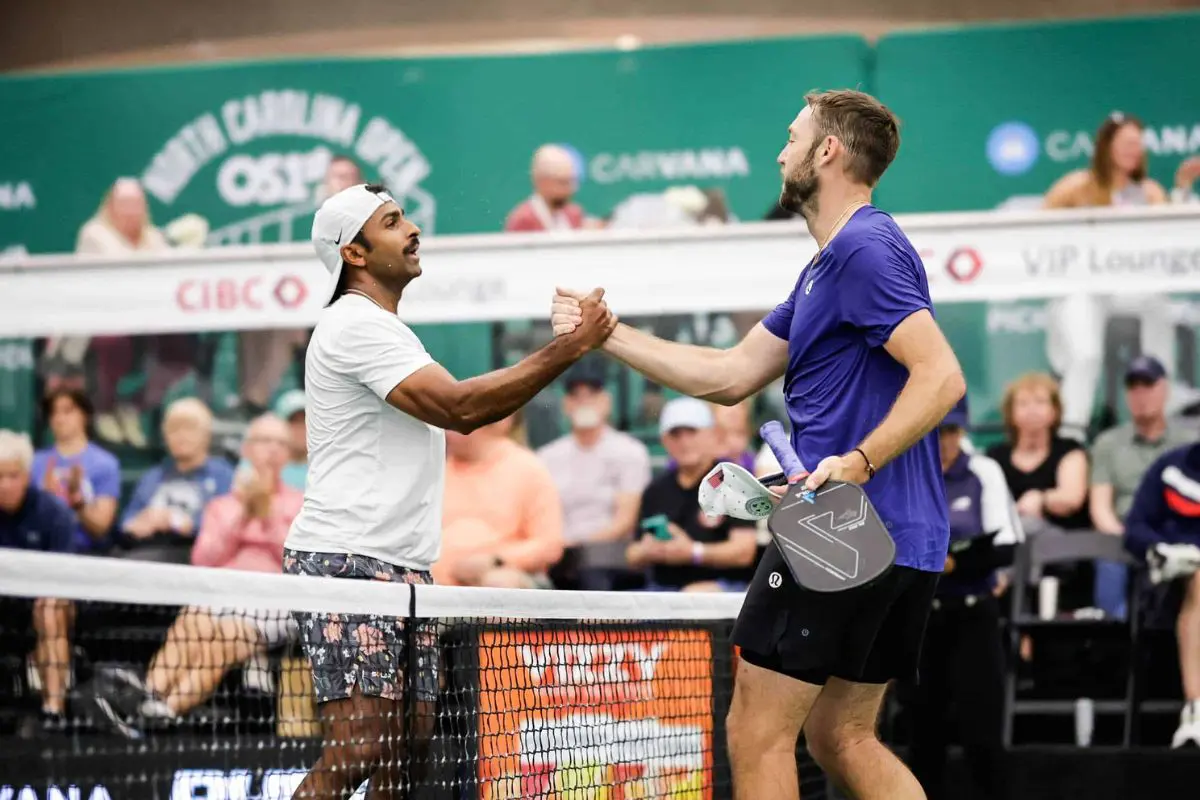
338	240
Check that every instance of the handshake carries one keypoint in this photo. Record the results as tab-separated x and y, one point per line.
581	318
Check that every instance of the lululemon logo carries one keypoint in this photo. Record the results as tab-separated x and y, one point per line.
774	580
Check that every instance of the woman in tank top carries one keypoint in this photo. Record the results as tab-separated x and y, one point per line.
1116	175
1076	323
1046	473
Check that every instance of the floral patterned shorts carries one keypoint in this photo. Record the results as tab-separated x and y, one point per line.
367	650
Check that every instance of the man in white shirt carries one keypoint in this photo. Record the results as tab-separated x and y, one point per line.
377	408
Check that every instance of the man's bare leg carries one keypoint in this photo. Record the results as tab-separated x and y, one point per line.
236	640
841	736
356	736
765	717
52	620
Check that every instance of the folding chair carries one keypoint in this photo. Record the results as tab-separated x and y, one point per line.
1058	547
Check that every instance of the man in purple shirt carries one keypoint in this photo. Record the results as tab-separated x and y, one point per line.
868	376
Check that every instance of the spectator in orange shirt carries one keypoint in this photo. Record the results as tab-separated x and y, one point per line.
555	182
242	530
502	518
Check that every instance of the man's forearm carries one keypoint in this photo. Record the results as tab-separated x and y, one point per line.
688	369
926	398
495	395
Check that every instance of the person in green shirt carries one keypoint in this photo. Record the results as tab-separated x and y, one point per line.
1120	457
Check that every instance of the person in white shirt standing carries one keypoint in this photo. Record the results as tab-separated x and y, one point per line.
377	408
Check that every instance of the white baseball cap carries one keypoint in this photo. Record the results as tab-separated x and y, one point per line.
338	221
685	412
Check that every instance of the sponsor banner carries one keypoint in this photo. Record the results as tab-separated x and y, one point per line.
968	257
610	715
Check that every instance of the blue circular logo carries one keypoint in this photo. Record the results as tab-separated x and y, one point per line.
1012	148
578	160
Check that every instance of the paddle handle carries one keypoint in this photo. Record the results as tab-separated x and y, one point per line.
776	438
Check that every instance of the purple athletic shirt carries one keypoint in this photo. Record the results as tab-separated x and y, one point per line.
841	382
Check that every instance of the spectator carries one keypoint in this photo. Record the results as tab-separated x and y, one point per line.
342	173
550	208
1076	324
962	662
733	434
290	408
1185	181
167	506
502	519
699	553
32	519
1117	174
122	226
1166	510
242	530
1046	473
82	474
600	472
1120	457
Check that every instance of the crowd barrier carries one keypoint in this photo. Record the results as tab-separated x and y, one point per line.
984	256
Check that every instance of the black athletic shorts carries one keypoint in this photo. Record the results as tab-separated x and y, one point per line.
867	635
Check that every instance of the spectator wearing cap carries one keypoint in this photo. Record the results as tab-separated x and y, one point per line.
167	506
551	207
77	471
681	547
290	408
600	472
1120	458
33	519
1166	511
962	662
501	518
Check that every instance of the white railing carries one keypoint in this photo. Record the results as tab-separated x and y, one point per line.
973	256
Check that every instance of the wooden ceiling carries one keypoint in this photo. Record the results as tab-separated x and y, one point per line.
74	34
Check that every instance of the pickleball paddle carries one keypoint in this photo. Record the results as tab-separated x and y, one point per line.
832	539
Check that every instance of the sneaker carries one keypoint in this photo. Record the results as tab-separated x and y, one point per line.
106	715
127	677
153	708
1188	731
108	429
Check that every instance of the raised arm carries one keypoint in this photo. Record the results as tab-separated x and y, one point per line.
721	376
402	372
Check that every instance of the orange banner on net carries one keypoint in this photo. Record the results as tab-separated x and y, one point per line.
595	715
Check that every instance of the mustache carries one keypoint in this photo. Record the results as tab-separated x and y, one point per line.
413	243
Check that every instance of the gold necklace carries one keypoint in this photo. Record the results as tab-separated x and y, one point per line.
364	294
857	204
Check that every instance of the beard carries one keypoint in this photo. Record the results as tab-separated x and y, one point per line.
800	187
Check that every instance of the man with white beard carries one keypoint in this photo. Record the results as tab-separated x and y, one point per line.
600	471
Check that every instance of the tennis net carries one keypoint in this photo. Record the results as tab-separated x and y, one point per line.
181	682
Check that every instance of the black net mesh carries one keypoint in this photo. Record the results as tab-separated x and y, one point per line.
119	699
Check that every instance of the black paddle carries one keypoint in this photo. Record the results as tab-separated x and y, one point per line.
832	538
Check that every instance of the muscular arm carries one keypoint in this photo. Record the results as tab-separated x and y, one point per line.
97	516
432	395
722	376
935	383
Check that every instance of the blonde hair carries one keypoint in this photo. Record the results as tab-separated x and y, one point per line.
16	447
1030	381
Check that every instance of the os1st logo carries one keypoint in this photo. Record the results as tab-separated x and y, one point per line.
272	179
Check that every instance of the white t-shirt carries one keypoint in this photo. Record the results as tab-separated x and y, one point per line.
376	476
